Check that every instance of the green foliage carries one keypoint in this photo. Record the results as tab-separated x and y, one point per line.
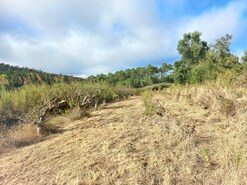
192	48
181	72
200	63
244	61
204	155
227	78
12	77
136	78
3	80
203	72
146	98
221	47
23	102
239	158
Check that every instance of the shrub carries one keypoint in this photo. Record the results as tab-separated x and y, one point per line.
205	71
20	105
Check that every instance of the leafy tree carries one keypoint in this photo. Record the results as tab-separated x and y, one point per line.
223	56
221	47
151	70
203	71
192	48
164	68
181	72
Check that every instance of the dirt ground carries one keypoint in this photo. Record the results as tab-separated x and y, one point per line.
119	145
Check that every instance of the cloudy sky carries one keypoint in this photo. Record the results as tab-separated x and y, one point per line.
83	37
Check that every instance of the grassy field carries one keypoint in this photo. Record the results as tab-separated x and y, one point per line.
181	135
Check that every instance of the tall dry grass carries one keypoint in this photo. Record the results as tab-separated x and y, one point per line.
208	132
18	136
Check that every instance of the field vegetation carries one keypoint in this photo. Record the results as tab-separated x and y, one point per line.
21	107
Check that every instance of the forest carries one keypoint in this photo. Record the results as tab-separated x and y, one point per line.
12	77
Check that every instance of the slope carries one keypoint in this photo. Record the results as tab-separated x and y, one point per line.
14	77
119	145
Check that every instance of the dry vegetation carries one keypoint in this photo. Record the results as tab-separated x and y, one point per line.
31	104
190	135
208	133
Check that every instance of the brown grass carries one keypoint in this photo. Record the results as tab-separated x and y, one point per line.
26	134
199	139
18	136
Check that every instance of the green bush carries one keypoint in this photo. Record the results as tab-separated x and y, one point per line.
205	71
21	104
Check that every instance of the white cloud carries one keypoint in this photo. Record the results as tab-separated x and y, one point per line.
89	37
217	22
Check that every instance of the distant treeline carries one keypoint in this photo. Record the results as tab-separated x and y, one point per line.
138	77
13	77
199	62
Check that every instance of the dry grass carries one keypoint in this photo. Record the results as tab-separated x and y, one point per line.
18	136
199	139
216	146
26	134
77	114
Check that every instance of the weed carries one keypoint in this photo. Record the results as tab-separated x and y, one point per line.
146	98
238	158
204	155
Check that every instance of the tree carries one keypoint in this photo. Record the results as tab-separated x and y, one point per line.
151	70
204	71
164	69
221	47
152	77
244	57
192	48
181	72
223	56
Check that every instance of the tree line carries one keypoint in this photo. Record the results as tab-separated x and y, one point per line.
14	77
136	77
199	62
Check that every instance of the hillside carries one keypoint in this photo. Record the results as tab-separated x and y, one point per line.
189	137
14	76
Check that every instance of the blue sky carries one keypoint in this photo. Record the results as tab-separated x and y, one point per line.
83	37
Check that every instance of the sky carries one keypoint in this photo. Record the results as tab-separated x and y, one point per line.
88	37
